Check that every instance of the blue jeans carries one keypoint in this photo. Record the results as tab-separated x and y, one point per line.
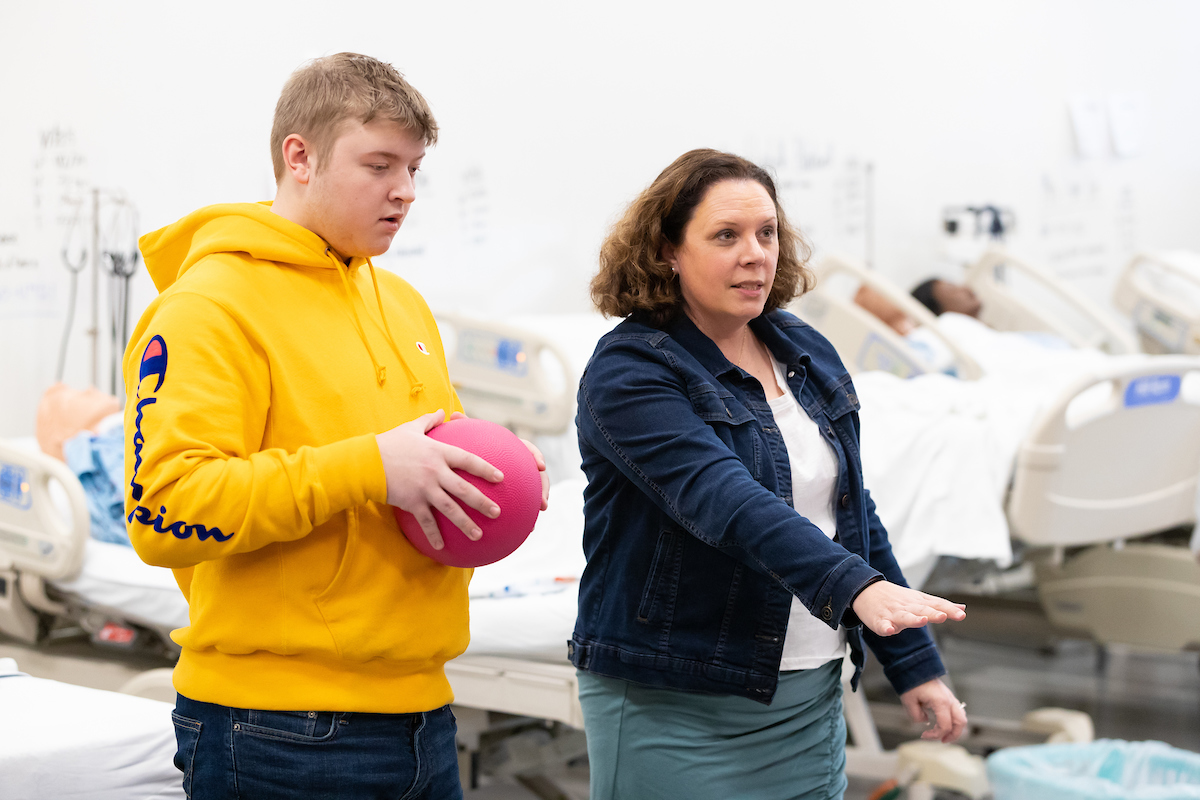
227	753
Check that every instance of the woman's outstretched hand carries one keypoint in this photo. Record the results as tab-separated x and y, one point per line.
887	608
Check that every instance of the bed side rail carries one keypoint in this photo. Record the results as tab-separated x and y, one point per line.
500	374
34	537
1006	310
1116	456
863	340
1166	323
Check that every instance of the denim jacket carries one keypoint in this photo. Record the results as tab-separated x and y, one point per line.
694	550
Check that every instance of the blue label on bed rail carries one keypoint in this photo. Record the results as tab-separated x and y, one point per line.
14	486
1150	390
493	351
877	354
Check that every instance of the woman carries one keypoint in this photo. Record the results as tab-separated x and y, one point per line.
733	552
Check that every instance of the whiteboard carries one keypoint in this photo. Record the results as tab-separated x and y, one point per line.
874	115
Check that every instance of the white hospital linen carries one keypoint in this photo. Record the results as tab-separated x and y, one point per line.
809	642
114	577
525	605
938	452
68	741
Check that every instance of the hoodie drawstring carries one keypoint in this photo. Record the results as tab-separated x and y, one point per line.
380	370
417	386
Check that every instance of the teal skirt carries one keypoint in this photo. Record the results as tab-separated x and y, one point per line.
645	743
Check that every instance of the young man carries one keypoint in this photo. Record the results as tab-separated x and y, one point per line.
279	393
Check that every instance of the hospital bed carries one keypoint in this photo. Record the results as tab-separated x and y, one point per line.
65	741
1161	294
52	574
1111	457
1018	296
867	343
1015	296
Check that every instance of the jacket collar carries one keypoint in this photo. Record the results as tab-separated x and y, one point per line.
705	350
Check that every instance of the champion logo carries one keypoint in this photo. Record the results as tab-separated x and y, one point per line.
421	346
154	361
154	365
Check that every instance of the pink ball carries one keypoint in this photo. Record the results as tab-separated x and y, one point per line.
519	496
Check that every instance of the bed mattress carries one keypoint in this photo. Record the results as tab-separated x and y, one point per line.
65	741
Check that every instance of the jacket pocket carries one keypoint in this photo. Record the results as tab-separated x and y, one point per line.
663	579
734	425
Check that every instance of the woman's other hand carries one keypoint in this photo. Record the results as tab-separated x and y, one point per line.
887	608
935	697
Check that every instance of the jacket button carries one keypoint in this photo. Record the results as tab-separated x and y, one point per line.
852	399
845	501
826	613
791	373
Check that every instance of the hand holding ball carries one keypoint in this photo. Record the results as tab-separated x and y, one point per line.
519	496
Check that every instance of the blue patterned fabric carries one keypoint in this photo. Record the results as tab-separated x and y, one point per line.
99	463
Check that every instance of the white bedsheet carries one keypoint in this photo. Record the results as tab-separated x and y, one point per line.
64	741
525	605
113	577
938	452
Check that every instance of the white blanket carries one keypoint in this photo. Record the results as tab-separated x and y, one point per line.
938	452
524	605
64	741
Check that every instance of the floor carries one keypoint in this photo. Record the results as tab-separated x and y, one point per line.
1129	695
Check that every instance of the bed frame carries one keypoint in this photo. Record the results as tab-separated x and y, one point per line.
865	342
1083	488
36	543
1005	309
500	374
1164	323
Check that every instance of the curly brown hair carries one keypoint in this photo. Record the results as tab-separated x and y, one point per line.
633	275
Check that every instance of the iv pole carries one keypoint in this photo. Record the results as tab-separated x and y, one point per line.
123	265
94	331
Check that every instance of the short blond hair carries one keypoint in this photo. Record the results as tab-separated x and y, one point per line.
633	275
326	92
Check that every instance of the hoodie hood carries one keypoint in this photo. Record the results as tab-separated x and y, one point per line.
253	229
250	228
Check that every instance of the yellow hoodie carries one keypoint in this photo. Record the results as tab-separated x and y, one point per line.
257	381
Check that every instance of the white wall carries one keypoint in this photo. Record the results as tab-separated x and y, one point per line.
554	115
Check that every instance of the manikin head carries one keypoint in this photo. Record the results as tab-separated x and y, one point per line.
940	296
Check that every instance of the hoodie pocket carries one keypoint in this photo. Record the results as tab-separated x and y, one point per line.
342	582
388	601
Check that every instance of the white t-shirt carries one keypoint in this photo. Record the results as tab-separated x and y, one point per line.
809	642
